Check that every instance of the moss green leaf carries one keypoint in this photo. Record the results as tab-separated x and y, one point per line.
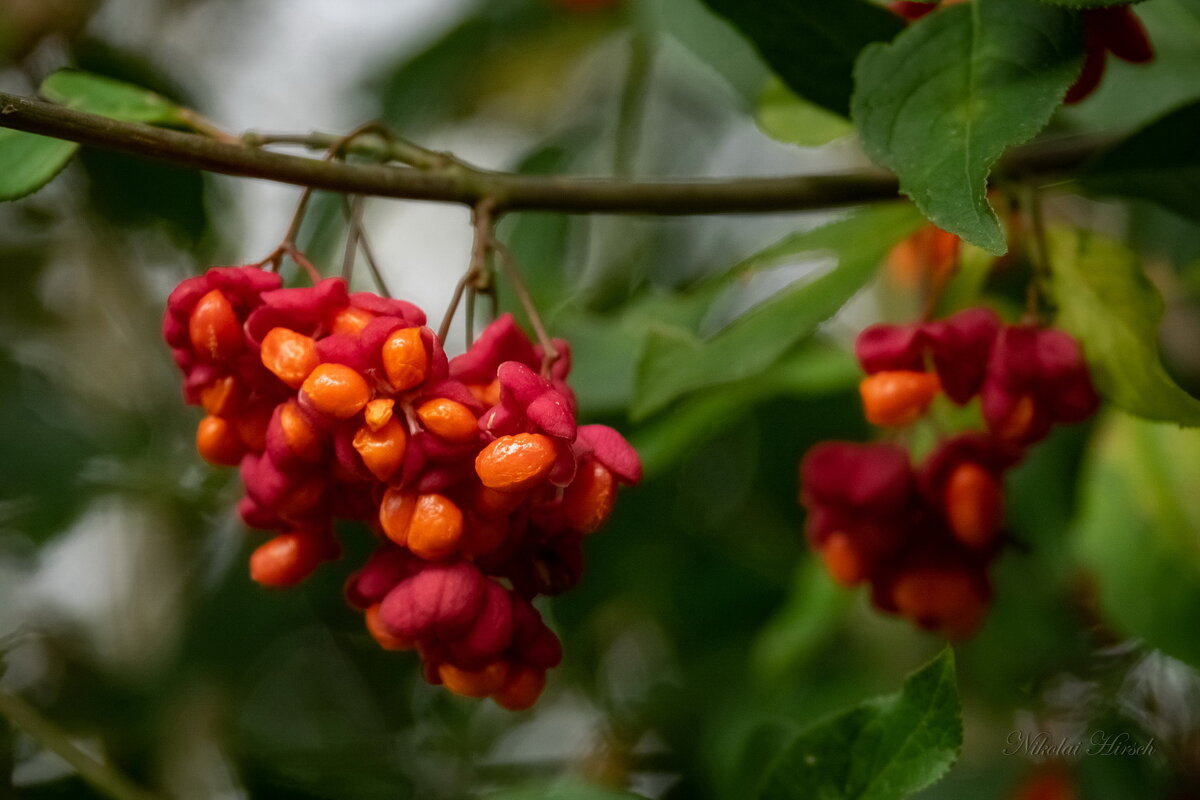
1090	3
1137	531
811	48
28	162
844	255
107	97
787	117
941	104
884	749
1106	302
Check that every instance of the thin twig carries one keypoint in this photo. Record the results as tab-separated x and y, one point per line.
354	210
356	239
482	223
102	777
364	244
470	313
288	246
455	299
509	192
206	127
512	271
381	144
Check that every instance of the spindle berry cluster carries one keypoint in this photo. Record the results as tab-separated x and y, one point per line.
924	536
472	471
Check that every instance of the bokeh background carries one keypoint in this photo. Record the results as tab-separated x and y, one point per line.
703	632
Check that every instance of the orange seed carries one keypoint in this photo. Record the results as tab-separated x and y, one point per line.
380	634
474	682
448	420
435	528
897	397
515	463
336	390
588	501
289	355
382	450
405	359
974	504
218	442
521	689
214	329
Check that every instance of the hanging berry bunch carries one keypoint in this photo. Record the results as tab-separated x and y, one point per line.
923	536
472	471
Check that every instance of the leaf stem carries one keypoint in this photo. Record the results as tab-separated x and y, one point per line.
102	777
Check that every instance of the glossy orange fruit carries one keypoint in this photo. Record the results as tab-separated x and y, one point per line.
448	420
218	442
290	356
214	329
405	359
897	397
336	390
515	463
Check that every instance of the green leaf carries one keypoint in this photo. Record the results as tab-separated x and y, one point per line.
1091	3
789	118
1137	531
812	369
565	789
1159	163
1106	302
883	749
941	104
675	361
28	161
107	97
811	49
807	619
